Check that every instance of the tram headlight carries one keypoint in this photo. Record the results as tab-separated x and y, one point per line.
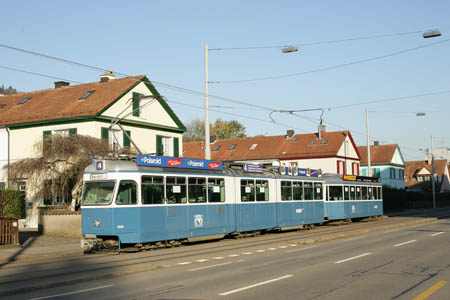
96	223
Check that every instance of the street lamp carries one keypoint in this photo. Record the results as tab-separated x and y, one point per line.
431	34
289	49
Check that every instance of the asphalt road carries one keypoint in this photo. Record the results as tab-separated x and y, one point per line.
402	263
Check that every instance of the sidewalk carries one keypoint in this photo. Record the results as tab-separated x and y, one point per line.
33	245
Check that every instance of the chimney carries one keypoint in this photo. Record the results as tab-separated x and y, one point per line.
289	134
212	139
107	76
61	84
321	129
376	143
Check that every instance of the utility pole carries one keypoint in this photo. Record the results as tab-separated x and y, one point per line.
432	174
368	144
207	138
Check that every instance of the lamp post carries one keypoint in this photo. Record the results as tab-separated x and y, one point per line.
432	175
207	137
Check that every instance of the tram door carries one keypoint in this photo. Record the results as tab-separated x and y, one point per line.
126	213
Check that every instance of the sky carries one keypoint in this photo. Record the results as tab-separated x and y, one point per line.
393	74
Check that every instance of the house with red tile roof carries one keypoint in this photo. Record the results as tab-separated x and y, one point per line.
418	176
386	163
332	152
89	109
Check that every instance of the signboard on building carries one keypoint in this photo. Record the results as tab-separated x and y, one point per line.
285	170
177	162
361	178
250	168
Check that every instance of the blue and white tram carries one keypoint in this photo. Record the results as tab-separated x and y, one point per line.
160	199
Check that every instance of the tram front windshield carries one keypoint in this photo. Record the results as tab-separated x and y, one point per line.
98	193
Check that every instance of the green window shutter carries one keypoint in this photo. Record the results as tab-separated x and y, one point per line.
126	140
46	140
136	104
105	134
72	131
159	145
176	145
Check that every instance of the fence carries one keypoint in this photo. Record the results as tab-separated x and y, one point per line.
9	231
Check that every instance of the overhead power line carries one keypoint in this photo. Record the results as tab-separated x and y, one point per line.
321	42
332	67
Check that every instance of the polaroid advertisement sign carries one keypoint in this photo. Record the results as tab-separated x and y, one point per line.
284	170
177	162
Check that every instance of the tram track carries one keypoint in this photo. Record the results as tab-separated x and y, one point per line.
96	264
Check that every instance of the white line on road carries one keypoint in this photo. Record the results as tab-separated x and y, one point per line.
255	285
233	255
408	242
438	233
301	249
75	292
211	266
354	257
202	260
293	245
272	249
247	253
219	257
282	247
356	238
185	263
260	251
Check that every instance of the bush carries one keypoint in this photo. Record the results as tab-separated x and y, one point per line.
12	204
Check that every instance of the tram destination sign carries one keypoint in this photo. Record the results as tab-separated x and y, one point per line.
177	162
285	170
361	178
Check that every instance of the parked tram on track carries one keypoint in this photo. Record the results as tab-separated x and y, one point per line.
153	199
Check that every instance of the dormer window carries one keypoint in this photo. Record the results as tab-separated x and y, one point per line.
86	95
313	142
232	147
216	148
252	147
324	142
2	105
23	101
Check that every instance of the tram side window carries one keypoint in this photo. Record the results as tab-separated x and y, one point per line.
176	190
375	193
197	190
152	190
364	193
335	192
247	190
309	191
318	191
370	193
297	190
358	193
262	190
127	193
346	192
216	190
380	193
352	193
286	190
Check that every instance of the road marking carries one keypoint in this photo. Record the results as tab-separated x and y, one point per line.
438	233
356	238
282	247
202	260
254	285
354	257
293	245
301	249
247	253
431	290
233	255
75	292
219	257
271	249
211	266
185	263
260	251
408	242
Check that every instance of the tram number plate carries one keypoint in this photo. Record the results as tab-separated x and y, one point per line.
299	210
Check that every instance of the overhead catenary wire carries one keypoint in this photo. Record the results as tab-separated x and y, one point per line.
332	67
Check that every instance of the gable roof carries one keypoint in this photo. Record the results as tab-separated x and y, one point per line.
414	167
65	102
379	155
271	147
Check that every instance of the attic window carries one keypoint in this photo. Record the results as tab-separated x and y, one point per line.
232	147
324	142
294	139
2	105
86	95
312	143
24	101
252	147
216	148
